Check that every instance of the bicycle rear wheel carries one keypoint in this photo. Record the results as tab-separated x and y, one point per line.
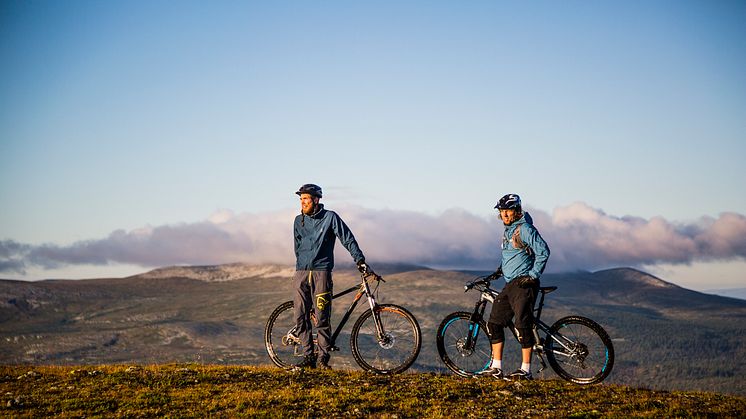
393	352
579	350
451	338
282	345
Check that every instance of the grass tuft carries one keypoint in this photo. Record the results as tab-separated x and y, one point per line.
232	391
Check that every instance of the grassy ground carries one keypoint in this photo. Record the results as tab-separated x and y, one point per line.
229	391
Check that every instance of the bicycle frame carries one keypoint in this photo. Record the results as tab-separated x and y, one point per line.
363	289
490	295
569	348
577	348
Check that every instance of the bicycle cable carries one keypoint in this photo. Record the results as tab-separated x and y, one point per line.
375	290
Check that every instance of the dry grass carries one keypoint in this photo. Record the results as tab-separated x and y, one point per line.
225	391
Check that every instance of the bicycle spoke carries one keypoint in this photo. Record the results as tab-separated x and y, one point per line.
579	350
284	350
395	349
462	355
394	333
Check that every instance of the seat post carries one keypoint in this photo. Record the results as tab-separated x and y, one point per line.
541	304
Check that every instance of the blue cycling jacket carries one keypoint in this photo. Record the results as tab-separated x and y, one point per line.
315	236
529	259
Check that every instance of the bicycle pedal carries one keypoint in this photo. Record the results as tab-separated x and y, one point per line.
334	349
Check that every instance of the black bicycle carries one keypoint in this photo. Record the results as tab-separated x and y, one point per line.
578	349
385	339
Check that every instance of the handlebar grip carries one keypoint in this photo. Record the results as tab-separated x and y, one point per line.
375	276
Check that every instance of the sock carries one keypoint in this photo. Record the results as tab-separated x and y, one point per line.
526	366
497	363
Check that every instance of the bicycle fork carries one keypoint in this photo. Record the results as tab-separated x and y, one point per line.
476	316
380	334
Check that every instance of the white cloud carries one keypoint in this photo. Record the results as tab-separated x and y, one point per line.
580	237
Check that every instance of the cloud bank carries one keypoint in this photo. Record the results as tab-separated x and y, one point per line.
580	238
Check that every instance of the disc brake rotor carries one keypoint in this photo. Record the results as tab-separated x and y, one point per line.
388	341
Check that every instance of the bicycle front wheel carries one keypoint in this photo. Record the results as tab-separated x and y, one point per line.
283	346
466	357
392	352
579	350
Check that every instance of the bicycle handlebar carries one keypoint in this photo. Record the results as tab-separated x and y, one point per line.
368	273
481	283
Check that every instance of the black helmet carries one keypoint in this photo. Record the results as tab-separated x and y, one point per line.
311	189
509	201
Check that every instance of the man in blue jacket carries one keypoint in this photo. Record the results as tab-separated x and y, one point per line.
315	231
524	257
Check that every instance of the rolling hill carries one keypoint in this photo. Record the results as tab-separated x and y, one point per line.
666	337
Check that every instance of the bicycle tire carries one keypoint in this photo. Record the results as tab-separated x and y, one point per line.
579	350
283	353
393	355
450	339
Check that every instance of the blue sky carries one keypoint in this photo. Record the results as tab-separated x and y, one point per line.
131	116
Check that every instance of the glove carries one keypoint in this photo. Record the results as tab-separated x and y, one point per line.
362	266
497	274
526	281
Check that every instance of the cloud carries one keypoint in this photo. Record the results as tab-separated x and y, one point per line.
11	256
580	237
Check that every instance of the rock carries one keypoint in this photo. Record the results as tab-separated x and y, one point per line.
30	374
15	402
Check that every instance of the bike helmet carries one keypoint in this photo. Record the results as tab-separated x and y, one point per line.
311	189
509	201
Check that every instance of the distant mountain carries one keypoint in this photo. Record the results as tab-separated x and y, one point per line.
729	292
666	337
233	271
218	273
630	287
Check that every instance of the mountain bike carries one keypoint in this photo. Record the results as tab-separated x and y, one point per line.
578	349
385	339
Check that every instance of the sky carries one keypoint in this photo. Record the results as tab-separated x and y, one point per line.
140	134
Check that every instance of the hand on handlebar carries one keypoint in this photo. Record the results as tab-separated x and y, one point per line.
471	284
366	271
363	267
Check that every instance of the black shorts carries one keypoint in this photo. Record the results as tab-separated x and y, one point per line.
515	301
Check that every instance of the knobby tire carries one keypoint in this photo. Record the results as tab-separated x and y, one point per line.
591	353
280	322
400	346
451	338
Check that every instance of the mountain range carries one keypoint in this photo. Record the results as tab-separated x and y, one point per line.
665	336
729	292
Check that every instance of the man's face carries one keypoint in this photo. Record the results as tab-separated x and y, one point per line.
508	216
308	203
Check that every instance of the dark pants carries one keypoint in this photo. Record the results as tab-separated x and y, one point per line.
514	301
313	294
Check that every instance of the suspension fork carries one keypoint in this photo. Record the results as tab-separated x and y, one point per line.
476	315
373	305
